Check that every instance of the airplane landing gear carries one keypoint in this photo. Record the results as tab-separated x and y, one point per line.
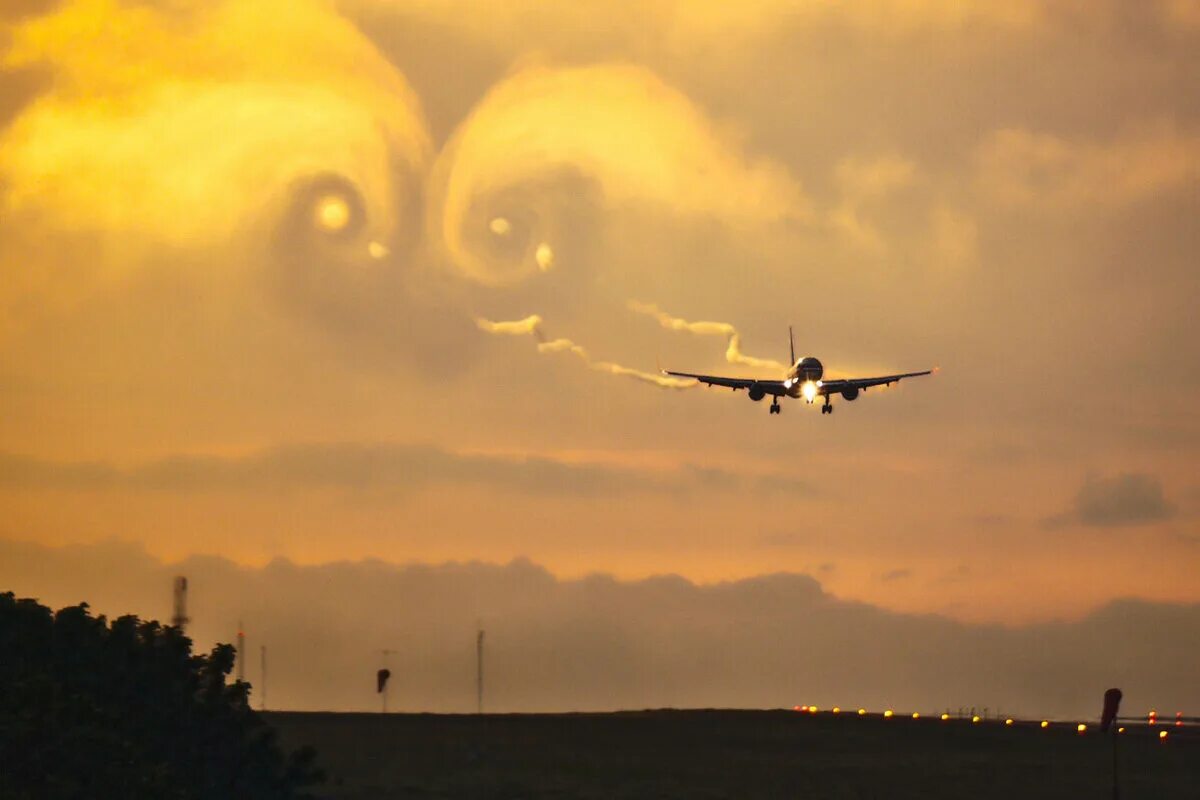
827	408
774	409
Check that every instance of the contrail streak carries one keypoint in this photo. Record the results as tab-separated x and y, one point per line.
529	326
532	326
733	351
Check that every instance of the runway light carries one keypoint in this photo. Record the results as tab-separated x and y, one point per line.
887	714
797	708
1121	729
812	709
1008	721
975	718
862	711
1045	724
916	715
1081	728
1178	719
1162	736
837	710
945	717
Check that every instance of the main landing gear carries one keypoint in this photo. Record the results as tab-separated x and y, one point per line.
828	407
774	406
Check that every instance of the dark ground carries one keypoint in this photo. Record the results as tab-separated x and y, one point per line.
731	754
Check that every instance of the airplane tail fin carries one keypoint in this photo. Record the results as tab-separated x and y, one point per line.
792	344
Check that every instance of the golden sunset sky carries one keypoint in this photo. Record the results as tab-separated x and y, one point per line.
288	281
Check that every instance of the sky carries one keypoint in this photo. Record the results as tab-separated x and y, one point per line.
380	288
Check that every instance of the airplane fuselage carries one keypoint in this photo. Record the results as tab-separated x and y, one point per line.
804	378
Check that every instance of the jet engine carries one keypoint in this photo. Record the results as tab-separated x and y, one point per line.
851	393
757	393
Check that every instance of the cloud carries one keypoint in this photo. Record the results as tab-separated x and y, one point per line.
1025	168
162	181
544	137
598	643
954	237
862	183
195	122
710	27
895	575
1125	499
355	466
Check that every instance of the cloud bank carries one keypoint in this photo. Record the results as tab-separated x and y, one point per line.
599	643
357	466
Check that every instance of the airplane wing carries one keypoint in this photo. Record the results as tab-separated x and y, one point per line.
776	388
840	385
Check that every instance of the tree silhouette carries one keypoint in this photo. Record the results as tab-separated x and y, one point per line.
89	709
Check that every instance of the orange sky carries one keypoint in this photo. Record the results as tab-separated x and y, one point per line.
246	244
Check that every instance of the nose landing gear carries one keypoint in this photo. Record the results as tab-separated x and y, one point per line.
828	407
774	409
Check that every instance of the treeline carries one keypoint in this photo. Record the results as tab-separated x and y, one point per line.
93	709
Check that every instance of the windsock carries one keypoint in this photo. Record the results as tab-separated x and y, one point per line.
1112	699
381	679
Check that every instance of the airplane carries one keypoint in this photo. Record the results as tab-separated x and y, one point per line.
804	380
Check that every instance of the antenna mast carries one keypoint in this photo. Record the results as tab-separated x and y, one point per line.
180	618
479	671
